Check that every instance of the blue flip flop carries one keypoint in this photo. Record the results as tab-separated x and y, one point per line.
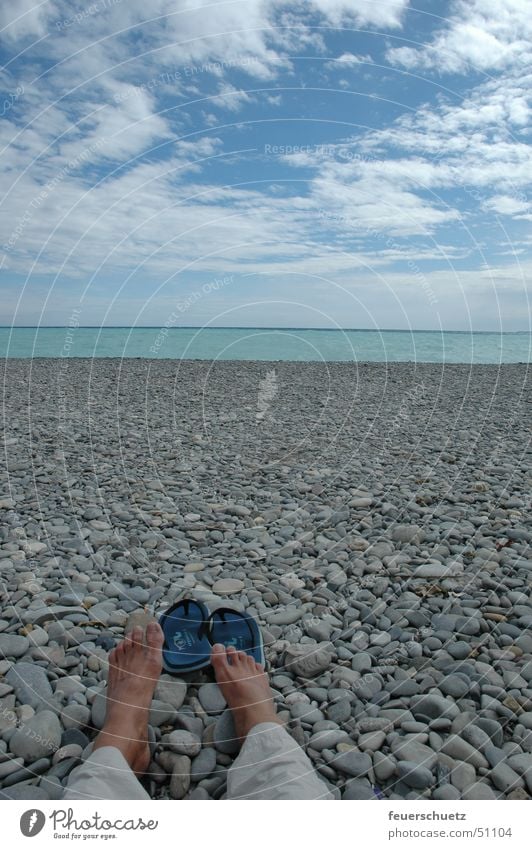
231	628
186	646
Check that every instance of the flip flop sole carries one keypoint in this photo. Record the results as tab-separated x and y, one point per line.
232	628
186	646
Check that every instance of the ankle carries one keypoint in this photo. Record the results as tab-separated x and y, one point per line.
247	718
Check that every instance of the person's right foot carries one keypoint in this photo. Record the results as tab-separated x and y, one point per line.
134	669
245	687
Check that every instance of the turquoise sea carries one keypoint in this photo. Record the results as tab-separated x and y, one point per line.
238	343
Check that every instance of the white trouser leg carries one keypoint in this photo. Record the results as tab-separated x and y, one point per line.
104	775
271	765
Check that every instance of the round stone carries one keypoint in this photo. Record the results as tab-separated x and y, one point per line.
211	698
228	586
39	737
203	765
352	763
182	742
415	775
11	645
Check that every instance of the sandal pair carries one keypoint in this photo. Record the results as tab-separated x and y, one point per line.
190	631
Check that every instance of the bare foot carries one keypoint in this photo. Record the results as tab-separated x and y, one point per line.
134	668
245	687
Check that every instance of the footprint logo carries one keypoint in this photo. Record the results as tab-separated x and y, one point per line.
32	822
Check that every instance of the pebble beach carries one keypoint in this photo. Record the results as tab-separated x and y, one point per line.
375	518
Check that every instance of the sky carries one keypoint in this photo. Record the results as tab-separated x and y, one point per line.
322	163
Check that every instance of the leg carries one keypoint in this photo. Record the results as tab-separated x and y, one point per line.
104	775
270	765
121	749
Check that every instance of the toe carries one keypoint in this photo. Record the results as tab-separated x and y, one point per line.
137	636
218	656
154	635
232	655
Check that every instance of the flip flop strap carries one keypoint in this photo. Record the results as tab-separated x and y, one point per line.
221	611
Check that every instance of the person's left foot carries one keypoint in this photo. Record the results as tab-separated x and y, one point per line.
134	669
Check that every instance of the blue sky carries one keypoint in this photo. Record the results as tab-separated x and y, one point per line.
259	162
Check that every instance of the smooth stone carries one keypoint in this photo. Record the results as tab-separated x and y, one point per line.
180	780
434	570
284	617
383	766
74	735
160	713
339	711
8	767
30	684
75	716
358	789
306	661
54	613
407	534
182	742
306	713
491	727
433	706
12	645
327	739
405	749
371	741
203	765
415	775
505	778
225	739
459	651
24	791
526	719
72	750
170	691
463	775
479	790
380	639
476	737
228	586
455	686
352	763
52	787
68	686
445	793
362	662
460	750
211	698
39	737
99	709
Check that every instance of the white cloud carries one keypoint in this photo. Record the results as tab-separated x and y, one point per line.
231	98
479	35
348	60
385	13
507	205
21	18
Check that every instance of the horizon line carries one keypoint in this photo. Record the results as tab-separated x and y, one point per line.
244	327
